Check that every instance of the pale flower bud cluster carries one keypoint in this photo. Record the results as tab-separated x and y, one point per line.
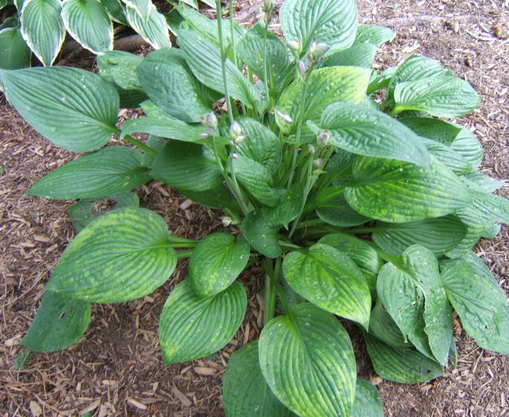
209	120
317	50
236	134
323	138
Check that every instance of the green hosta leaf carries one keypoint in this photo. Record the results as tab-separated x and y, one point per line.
485	209
13	49
164	76
4	3
86	211
324	87
342	288
204	59
120	68
245	392
332	208
188	166
383	327
121	256
167	127
481	182
257	179
108	171
472	236
374	35
216	262
116	10
142	7
72	108
329	21
261	145
380	80
154	30
89	23
43	28
218	197
367	401
307	359
412	292
400	192
447	156
59	323
253	52
368	132
469	147
440	96
340	167
193	327
361	55
482	308
436	129
288	207
261	234
439	235
359	251
403	365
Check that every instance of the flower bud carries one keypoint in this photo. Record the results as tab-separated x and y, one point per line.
235	130
316	51
302	69
209	120
295	47
235	155
240	139
226	221
312	149
283	116
318	163
204	135
323	138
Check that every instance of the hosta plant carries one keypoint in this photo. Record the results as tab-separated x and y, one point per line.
348	187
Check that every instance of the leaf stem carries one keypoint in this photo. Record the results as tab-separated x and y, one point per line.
184	254
137	143
223	59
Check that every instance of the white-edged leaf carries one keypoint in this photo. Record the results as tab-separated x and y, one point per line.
73	108
42	28
14	51
331	280
142	7
121	256
89	23
333	22
154	30
111	170
400	192
116	10
216	262
368	132
245	392
307	359
191	327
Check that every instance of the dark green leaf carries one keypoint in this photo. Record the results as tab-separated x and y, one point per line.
108	171
167	127
116	11
261	234
469	147
164	76
332	208
403	365
13	49
288	207
436	129
245	392
216	262
59	323
73	108
307	359
482	308
218	197
383	327
440	235
367	401
331	280
121	256
193	327
447	156
188	166
120	68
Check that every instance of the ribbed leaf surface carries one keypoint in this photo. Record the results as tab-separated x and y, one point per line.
216	262
412	293
59	323
436	129
329	21
401	365
400	192
188	166
447	156
115	10
289	206
361	55
163	127
142	7
108	171
164	76
13	49
121	256
307	360
439	235
193	327
204	59
483	183
374	35
89	23
120	68
331	280
332	208
245	392
368	132
469	147
261	234
153	29
482	306
367	401
43	28
383	327
72	108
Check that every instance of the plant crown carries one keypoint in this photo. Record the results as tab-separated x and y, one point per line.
349	189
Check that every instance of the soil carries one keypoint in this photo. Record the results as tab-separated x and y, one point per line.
116	369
